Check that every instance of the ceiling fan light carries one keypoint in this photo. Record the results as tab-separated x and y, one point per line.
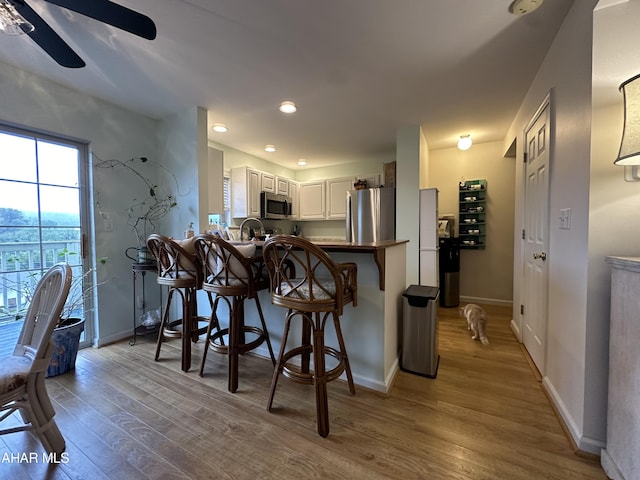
288	107
11	22
464	143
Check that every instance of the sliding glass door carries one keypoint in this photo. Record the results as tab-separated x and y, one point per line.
43	214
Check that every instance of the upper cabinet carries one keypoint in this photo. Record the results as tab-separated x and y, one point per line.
322	199
246	185
294	189
337	189
267	182
311	200
282	186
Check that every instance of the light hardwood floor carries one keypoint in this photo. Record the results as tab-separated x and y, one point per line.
485	416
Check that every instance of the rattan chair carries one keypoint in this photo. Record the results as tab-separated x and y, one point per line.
233	277
180	271
22	375
314	289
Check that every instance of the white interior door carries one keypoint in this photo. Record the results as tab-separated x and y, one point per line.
536	236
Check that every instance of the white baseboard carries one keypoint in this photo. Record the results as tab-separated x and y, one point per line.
586	444
609	466
515	328
116	337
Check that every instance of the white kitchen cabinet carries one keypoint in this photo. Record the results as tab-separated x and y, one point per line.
294	188
246	184
312	200
267	182
282	186
337	189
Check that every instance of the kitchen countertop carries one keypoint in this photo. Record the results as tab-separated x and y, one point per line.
376	248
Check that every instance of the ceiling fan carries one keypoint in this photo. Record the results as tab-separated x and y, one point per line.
102	10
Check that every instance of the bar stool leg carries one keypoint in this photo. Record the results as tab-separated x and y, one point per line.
236	333
279	362
307	323
343	354
186	330
163	323
320	380
213	322
264	329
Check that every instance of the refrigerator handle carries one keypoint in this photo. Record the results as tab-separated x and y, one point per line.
349	221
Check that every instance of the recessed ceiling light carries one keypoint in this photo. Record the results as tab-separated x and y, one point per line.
465	142
220	127
269	148
302	162
288	107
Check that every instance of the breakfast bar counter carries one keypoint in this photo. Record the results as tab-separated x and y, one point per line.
371	329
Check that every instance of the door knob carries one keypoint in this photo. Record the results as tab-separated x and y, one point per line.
542	256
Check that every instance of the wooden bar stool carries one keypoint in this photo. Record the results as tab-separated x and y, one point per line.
233	274
180	271
314	289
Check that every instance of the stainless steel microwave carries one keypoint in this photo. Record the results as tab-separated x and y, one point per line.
273	205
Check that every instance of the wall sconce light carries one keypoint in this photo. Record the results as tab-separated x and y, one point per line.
465	142
629	153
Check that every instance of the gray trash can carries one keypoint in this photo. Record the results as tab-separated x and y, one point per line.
420	331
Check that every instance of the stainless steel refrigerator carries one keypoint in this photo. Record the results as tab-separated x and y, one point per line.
371	215
429	244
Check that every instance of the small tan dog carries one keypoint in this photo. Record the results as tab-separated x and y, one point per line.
476	321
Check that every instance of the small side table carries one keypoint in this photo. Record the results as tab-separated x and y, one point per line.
142	269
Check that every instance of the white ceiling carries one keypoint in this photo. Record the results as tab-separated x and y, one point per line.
357	69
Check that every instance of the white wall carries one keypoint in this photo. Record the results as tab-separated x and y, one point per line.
184	153
614	203
410	144
566	72
447	167
33	102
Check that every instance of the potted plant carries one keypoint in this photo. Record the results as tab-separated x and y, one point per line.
146	209
70	325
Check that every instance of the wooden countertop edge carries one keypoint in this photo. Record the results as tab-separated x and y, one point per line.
362	247
377	248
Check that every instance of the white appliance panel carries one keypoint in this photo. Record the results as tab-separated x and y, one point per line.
429	268
429	218
429	240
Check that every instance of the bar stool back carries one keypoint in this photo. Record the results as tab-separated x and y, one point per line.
233	274
180	271
314	289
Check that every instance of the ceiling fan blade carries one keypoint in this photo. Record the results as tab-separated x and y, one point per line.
49	40
113	14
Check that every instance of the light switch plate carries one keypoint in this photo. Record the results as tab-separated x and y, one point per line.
565	218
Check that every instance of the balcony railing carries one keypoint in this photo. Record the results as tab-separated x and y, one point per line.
23	263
